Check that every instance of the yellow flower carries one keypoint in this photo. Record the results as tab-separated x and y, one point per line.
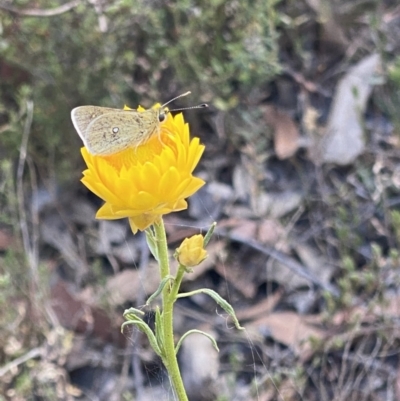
149	181
191	252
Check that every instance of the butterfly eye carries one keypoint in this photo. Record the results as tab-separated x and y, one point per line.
162	116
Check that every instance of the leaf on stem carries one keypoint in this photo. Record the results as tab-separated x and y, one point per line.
159	329
209	233
209	336
130	314
152	242
226	306
142	326
159	289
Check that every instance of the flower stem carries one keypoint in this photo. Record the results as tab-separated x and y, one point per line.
168	299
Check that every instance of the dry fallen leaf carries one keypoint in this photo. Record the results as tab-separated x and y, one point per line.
73	313
278	204
270	231
286	133
245	229
125	286
344	139
264	231
260	308
289	328
246	284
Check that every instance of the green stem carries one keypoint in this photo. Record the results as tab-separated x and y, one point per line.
168	298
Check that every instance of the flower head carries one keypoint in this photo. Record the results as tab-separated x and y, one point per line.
149	181
191	252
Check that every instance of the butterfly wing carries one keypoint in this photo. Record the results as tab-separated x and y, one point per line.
112	133
82	116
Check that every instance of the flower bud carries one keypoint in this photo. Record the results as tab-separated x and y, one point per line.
191	252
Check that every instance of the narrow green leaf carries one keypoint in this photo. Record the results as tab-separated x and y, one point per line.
226	306
159	289
209	336
131	313
142	326
209	233
152	242
159	329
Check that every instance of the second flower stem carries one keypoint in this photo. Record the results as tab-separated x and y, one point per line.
168	299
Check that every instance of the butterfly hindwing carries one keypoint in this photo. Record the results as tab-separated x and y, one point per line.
82	116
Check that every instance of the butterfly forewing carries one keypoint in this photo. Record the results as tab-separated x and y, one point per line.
112	133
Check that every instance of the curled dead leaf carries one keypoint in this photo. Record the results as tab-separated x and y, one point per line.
286	133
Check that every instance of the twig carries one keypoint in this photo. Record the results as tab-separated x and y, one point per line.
290	263
33	353
32	12
30	244
34	214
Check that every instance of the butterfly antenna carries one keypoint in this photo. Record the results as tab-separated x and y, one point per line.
177	97
200	106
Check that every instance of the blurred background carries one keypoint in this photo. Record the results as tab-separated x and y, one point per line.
302	169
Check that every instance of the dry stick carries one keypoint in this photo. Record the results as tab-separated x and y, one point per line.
289	262
30	244
41	13
34	212
33	353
